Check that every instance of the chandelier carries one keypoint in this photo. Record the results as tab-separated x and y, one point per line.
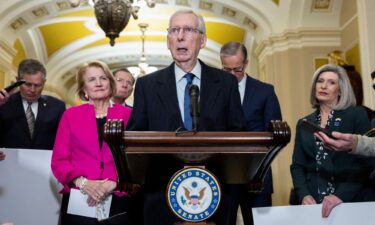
143	67
114	15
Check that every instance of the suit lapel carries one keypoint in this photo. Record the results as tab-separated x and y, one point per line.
210	88
311	139
167	93
18	108
249	94
335	124
42	106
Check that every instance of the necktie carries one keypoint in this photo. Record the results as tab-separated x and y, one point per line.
30	118
187	120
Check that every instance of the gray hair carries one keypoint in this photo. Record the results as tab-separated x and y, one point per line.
201	25
123	69
31	66
231	48
346	98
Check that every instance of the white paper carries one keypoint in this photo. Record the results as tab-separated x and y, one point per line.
78	205
343	214
29	193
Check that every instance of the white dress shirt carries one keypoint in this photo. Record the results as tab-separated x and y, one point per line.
181	83
34	107
241	87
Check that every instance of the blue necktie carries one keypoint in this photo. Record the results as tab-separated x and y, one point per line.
187	120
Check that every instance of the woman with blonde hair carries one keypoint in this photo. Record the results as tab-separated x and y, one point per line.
81	159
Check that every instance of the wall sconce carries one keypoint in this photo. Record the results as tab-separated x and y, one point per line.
113	15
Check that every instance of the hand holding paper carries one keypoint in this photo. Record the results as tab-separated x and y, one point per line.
78	205
329	202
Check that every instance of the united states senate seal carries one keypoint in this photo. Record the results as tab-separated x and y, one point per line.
193	194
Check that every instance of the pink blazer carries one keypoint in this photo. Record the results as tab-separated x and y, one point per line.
76	151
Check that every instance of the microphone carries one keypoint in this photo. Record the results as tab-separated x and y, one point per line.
194	106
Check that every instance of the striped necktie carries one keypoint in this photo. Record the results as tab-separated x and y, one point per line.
30	118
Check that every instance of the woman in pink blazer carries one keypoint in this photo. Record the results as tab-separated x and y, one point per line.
81	159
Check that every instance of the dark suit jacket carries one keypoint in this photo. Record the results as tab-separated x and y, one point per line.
156	109
14	131
260	106
349	171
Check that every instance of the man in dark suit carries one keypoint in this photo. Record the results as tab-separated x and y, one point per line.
159	106
27	118
124	85
260	105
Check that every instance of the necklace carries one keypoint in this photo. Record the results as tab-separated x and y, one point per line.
100	115
101	112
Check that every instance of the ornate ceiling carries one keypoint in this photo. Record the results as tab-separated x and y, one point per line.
64	37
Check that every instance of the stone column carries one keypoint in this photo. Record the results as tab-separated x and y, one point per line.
366	16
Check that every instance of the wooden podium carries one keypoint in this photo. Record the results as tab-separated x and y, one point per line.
242	157
245	157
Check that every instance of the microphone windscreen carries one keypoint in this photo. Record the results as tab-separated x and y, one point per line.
194	90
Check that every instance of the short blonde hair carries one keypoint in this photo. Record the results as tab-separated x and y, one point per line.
81	82
346	97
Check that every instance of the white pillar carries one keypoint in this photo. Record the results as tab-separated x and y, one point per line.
7	54
366	16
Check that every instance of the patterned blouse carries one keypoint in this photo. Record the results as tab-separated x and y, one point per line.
326	185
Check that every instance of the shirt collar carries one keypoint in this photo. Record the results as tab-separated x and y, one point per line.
26	102
242	87
197	70
243	82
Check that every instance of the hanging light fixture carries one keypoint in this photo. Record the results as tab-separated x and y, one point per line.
114	15
143	67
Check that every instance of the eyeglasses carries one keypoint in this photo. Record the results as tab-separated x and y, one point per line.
174	31
235	70
122	81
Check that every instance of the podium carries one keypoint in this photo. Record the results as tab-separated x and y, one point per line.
243	157
237	158
193	194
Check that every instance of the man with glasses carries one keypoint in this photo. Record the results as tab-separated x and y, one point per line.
29	119
124	85
160	102
260	105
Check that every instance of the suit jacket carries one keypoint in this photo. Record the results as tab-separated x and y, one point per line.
365	146
350	172
260	106
156	109
14	130
77	151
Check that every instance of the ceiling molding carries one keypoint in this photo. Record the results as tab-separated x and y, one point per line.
7	53
298	39
322	5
